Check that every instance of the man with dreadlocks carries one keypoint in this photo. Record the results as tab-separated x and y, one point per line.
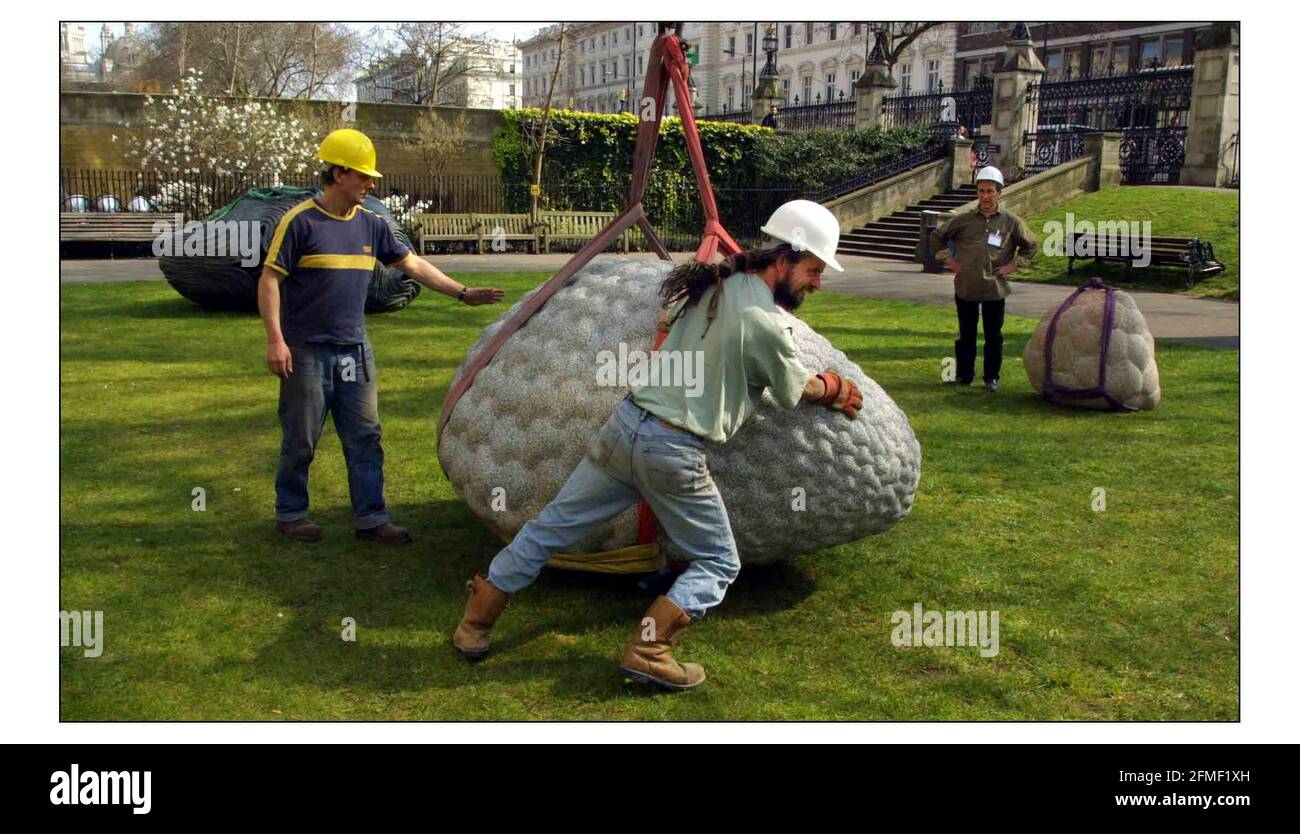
652	446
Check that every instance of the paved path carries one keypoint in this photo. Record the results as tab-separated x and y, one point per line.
1194	320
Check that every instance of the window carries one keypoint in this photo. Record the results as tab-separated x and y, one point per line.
807	88
931	76
1174	51
785	91
807	34
613	38
512	90
834	29
604	73
603	41
731	45
905	80
638	30
731	98
1054	60
627	66
613	70
627	35
1150	54
1100	57
582	76
830	86
749	43
640	65
853	81
1119	57
789	35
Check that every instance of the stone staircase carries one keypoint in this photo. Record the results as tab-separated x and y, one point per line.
895	237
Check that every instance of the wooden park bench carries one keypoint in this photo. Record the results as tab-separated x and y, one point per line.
506	227
444	228
575	225
108	227
1189	253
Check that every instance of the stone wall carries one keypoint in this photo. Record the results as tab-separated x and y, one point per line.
88	121
873	202
1050	188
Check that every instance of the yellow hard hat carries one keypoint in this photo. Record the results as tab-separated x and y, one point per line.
351	149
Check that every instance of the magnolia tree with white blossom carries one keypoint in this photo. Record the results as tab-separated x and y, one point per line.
190	133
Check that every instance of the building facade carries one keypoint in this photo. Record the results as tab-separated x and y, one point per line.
604	63
118	57
481	74
1080	48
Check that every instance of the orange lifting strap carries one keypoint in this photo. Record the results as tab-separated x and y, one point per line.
667	62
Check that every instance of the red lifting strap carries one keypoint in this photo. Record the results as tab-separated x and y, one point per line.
667	63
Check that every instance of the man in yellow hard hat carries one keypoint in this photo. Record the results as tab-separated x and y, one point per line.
312	297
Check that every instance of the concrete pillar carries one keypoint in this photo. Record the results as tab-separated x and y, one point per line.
959	153
1017	68
1216	113
1104	147
873	85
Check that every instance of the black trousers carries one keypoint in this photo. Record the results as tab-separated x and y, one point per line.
968	315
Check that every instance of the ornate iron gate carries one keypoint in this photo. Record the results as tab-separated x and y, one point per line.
1148	107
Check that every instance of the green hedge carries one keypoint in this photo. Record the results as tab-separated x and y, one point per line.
588	161
753	169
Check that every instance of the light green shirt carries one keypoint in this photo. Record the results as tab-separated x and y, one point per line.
749	347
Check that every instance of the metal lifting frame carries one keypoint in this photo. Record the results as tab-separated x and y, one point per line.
667	62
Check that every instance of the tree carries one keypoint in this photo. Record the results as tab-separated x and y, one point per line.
440	138
420	63
898	36
267	60
539	138
190	131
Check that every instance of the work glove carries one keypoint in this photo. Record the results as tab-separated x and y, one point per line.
841	394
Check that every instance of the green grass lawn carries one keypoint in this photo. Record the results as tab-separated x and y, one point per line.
1173	212
1129	613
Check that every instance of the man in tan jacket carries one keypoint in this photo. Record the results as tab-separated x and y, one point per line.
983	247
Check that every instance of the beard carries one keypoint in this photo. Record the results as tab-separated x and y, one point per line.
784	295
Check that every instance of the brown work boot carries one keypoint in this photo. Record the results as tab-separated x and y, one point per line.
303	530
650	660
486	602
386	533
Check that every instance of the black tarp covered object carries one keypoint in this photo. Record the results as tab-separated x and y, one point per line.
223	283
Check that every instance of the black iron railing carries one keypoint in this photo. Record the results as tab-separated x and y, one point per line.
1154	98
970	106
880	172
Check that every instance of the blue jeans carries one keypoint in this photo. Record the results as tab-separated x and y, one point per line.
339	380
632	457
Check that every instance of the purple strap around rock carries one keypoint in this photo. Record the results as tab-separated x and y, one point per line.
1050	388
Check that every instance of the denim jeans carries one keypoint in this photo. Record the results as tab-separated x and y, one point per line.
968	316
634	456
339	380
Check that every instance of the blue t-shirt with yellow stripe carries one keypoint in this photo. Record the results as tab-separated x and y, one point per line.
327	260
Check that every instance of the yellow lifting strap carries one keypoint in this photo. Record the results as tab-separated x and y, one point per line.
636	558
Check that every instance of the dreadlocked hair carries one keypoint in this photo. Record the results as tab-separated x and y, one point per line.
692	279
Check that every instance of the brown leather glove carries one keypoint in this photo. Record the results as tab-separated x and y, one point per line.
841	394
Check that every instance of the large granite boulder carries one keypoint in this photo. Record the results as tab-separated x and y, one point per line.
525	423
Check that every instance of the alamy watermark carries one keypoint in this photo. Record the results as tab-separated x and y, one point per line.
634	368
208	239
83	629
1128	239
955	629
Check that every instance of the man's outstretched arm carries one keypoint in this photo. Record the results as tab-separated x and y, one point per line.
435	279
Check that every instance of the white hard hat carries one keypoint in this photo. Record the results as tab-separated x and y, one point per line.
988	172
808	227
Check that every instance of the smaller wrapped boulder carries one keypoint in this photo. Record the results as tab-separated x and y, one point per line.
1095	351
221	282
